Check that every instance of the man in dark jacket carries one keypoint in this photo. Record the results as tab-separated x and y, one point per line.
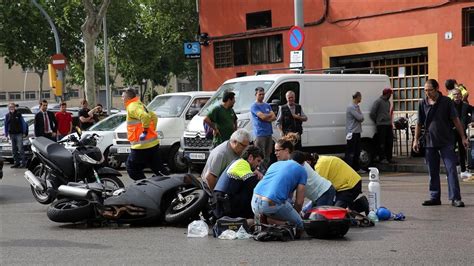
15	129
381	115
464	113
45	122
291	117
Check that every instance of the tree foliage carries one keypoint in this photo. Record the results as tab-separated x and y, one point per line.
145	38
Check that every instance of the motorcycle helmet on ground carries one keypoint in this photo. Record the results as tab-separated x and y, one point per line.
383	214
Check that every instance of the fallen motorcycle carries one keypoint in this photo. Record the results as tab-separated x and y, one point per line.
174	199
53	165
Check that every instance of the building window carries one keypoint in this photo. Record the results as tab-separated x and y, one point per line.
74	93
14	95
3	96
468	26
45	95
117	92
30	95
223	54
260	50
259	20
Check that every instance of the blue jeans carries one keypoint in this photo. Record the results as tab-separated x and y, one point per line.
17	148
432	156
282	212
327	199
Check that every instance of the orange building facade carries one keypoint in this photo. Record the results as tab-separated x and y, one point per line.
408	40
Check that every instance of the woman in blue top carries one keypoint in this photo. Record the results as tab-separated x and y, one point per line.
272	195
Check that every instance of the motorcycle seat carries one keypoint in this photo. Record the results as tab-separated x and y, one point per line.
55	152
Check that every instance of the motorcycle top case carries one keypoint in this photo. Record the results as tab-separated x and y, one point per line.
326	222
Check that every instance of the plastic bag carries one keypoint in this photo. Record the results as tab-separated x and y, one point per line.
198	228
228	235
242	234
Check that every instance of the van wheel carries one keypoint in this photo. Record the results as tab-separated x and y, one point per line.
366	155
175	161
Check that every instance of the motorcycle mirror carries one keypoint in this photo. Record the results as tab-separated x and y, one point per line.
79	131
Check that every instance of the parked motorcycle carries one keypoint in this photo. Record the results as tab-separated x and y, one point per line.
175	199
52	165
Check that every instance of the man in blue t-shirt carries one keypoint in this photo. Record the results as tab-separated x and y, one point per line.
262	117
272	195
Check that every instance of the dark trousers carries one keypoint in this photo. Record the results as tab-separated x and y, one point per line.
345	198
353	151
17	149
432	156
461	151
384	142
139	159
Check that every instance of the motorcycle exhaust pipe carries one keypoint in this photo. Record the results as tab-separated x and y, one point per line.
76	192
33	180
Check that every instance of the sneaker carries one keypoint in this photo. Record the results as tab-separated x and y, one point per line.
431	202
465	174
457	203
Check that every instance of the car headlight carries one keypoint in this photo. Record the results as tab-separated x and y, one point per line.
160	134
242	123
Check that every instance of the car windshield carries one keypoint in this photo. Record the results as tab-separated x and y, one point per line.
169	105
109	124
244	95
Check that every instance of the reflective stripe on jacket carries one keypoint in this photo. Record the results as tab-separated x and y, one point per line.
139	118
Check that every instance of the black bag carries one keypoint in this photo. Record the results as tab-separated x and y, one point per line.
228	223
272	232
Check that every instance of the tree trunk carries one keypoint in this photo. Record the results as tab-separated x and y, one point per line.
89	73
90	31
40	84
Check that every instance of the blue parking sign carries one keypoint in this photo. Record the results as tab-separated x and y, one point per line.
192	50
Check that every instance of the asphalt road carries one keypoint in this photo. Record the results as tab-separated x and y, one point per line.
439	235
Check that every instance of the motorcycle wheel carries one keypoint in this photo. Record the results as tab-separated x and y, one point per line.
181	211
43	197
70	211
111	183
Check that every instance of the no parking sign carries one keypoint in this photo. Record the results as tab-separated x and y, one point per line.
296	37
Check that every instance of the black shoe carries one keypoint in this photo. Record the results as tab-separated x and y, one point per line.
22	166
431	202
15	165
457	203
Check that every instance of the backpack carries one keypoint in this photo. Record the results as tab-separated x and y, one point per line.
273	232
228	223
208	131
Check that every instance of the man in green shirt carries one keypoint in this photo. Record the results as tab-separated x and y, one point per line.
222	119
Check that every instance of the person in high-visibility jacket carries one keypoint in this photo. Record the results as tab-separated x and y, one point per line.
141	132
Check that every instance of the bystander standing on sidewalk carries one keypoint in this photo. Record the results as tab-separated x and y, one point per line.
262	117
64	120
45	122
354	119
464	113
222	119
291	117
437	113
15	129
382	116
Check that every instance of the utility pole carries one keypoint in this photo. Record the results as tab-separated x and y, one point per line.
299	19
56	39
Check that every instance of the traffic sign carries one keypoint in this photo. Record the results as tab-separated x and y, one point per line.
58	61
296	59
296	37
192	50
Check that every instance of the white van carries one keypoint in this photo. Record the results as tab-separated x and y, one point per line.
323	97
174	111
